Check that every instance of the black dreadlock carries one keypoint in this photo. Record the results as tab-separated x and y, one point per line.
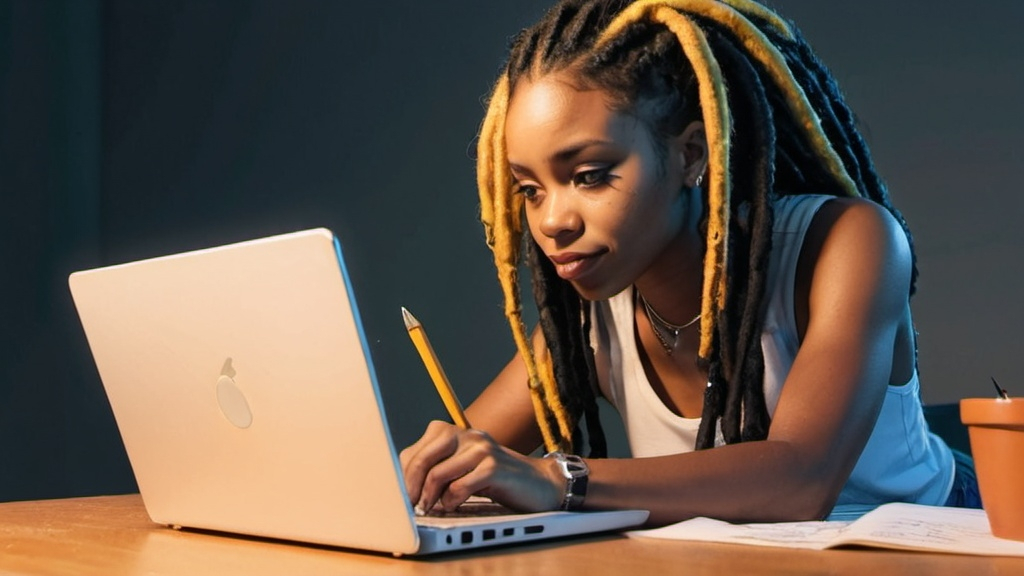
787	131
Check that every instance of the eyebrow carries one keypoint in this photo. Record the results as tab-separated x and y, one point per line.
566	154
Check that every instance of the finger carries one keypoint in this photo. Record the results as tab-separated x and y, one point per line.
437	444
519	482
441	475
434	429
471	452
474	482
422	464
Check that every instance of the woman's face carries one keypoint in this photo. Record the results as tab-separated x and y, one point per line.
602	202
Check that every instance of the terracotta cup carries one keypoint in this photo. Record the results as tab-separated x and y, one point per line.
996	428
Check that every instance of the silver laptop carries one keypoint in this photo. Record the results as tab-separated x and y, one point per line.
243	388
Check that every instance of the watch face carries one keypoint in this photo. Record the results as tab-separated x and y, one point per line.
575	471
572	466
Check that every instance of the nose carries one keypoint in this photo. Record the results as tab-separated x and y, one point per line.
560	218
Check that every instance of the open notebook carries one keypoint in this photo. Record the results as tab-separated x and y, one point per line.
242	384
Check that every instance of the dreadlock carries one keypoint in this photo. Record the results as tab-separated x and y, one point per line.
768	105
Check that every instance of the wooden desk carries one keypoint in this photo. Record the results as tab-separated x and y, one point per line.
112	535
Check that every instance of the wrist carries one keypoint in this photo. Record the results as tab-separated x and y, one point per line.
573	477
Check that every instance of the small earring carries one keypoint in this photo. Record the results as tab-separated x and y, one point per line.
700	178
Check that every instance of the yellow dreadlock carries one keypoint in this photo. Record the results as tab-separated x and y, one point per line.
501	213
717	124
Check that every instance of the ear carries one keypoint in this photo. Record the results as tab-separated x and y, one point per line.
691	148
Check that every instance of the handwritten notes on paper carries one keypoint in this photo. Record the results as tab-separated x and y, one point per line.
897	526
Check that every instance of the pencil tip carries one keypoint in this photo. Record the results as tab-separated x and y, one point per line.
410	320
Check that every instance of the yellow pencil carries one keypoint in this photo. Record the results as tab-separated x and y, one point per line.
444	388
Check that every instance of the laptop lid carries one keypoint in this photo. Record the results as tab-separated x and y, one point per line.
244	391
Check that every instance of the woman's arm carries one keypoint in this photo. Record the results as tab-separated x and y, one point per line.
856	297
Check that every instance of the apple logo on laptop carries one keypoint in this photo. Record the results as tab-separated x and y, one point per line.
230	399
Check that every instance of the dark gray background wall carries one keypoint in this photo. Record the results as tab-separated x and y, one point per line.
134	129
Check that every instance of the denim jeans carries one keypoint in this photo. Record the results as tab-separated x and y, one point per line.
965	483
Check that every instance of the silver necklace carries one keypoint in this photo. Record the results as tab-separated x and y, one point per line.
663	329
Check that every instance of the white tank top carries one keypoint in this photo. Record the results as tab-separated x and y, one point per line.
902	461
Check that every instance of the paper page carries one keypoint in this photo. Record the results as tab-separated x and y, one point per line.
933	528
897	526
812	535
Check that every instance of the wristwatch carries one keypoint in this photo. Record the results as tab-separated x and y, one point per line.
576	474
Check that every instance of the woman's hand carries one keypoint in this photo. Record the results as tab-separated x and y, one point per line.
449	464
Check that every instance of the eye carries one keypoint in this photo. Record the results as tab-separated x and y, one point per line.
527	190
592	178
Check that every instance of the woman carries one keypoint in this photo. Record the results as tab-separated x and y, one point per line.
712	252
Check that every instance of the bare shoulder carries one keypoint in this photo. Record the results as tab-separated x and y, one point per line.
859	233
859	223
854	250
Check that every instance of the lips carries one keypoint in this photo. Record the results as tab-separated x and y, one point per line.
573	265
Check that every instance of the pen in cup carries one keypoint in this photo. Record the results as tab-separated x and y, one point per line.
444	388
1002	392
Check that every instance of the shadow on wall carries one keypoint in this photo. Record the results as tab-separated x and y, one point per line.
134	129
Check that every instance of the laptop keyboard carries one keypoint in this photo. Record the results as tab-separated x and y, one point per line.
470	512
473	509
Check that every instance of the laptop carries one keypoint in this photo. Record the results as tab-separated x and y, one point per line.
243	388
